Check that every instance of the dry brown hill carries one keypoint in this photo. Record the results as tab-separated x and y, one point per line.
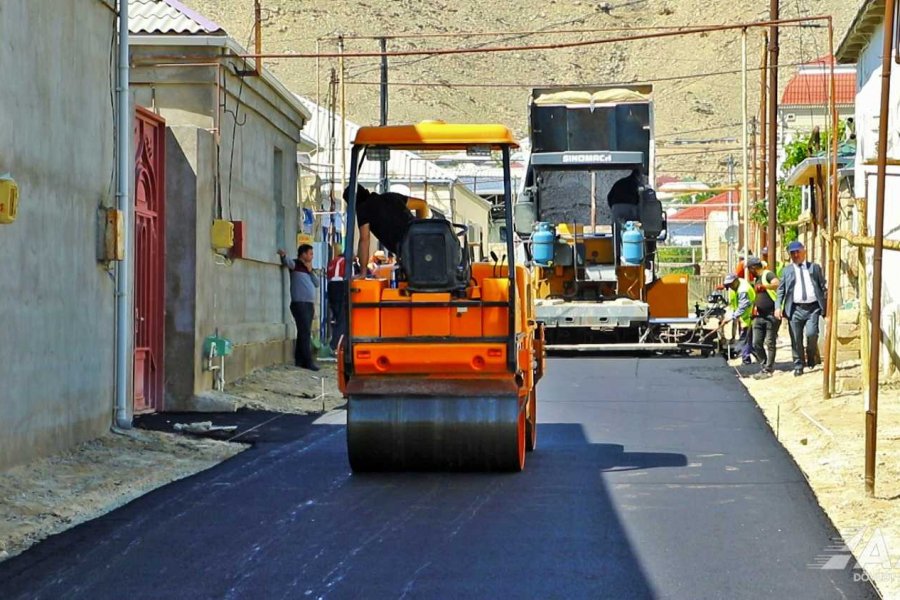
688	107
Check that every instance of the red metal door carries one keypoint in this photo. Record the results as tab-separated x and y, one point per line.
150	262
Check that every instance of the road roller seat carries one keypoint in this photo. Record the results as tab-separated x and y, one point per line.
432	257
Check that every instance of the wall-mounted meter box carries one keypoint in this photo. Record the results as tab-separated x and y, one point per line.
222	234
9	199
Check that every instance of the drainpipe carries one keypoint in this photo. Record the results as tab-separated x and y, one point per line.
123	268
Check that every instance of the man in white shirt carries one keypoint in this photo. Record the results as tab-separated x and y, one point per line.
801	298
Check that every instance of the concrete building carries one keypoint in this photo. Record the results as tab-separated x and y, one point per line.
231	141
705	224
58	304
862	46
804	102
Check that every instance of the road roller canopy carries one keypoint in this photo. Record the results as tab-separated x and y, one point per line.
436	135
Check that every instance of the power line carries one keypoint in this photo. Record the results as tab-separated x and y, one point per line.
464	34
695	152
450	84
535	47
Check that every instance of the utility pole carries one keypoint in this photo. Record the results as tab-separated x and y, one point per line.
343	116
773	134
763	130
745	180
257	25
732	246
754	174
875	341
384	108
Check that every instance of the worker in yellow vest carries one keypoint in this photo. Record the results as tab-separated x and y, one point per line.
765	323
741	298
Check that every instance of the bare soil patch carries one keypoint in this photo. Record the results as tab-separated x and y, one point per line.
48	496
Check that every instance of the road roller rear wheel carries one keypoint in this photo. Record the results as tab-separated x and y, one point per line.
531	423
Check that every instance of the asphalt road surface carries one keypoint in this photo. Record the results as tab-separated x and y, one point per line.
652	478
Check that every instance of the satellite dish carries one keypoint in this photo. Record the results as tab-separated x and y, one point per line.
731	234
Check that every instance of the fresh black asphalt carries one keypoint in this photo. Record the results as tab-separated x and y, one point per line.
652	478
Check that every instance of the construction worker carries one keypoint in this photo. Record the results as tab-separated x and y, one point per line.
741	297
384	215
765	324
624	201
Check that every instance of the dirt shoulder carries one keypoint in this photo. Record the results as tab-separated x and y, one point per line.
53	494
827	440
288	389
50	495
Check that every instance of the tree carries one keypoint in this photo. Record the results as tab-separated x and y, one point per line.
789	201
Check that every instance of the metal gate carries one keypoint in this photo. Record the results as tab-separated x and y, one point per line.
149	254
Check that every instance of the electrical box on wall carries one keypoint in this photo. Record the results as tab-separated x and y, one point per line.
113	225
9	199
222	234
239	250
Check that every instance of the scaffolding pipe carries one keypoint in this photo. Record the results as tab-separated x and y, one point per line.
875	342
834	245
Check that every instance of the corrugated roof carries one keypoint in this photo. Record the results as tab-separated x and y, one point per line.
167	17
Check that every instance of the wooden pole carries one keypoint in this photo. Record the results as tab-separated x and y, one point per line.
875	347
866	241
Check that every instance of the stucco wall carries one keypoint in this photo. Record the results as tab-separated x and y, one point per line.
57	303
867	110
245	299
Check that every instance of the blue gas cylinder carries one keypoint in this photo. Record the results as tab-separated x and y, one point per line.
542	241
632	244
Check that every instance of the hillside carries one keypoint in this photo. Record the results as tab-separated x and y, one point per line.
494	87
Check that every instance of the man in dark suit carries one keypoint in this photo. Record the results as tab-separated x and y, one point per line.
801	299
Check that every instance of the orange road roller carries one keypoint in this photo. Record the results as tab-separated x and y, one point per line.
440	362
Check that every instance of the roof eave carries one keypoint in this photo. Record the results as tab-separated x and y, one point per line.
865	23
227	43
